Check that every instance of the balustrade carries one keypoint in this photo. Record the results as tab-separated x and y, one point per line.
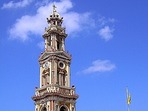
55	89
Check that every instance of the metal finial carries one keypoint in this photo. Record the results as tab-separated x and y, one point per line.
54	8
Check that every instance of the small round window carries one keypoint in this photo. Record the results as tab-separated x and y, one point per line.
61	64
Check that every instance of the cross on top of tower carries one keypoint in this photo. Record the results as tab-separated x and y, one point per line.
54	8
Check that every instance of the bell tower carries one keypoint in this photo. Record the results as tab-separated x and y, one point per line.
55	92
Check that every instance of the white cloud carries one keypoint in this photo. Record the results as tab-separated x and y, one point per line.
42	2
106	28
76	22
106	33
35	24
99	66
106	21
13	4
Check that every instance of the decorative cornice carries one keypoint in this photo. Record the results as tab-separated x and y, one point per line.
58	55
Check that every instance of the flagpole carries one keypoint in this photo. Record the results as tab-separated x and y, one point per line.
128	107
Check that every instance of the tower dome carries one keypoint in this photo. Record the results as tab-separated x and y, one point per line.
55	18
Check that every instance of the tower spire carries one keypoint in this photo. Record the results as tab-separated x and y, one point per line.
54	42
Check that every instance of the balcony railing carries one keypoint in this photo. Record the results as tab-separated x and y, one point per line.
55	89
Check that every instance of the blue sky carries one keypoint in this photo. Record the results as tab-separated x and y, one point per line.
108	40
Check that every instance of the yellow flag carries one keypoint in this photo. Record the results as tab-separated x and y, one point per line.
128	97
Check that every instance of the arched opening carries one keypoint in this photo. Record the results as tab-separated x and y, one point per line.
63	108
44	109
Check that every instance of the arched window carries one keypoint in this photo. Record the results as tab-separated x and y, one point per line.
44	109
63	108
